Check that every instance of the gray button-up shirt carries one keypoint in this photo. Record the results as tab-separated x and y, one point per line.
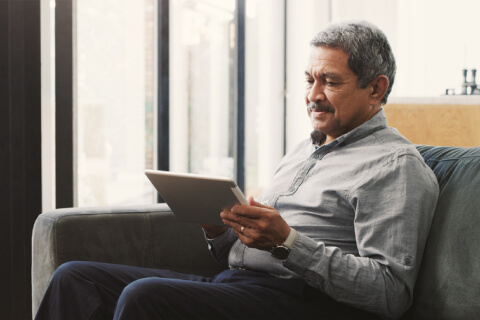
362	206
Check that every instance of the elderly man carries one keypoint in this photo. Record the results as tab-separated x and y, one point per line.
339	233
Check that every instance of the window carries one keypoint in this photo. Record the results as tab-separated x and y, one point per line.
114	101
264	92
202	87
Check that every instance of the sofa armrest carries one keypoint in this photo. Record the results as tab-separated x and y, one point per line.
147	236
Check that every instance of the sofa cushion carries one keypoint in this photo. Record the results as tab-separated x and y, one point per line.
448	285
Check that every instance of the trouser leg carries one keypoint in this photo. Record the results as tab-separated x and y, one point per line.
157	298
90	290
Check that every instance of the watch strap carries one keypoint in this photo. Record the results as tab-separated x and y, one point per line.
292	236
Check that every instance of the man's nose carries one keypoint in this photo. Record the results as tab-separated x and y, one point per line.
317	92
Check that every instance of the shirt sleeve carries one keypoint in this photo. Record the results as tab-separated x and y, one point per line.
393	212
220	246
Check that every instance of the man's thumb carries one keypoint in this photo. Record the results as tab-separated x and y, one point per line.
254	203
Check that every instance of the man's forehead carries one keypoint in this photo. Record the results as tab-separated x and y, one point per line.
329	60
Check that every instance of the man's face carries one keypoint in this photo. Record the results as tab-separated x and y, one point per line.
334	102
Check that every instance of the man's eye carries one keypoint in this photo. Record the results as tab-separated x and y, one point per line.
331	84
309	82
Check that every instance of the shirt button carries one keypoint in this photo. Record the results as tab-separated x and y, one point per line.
408	260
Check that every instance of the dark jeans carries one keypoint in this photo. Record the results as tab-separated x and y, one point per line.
91	290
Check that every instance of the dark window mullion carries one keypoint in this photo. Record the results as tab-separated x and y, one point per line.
163	87
240	92
285	16
64	162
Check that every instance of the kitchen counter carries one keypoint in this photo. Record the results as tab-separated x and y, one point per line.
441	121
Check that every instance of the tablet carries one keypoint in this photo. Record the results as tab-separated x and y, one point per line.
196	198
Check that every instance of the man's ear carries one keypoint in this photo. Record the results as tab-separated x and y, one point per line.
379	87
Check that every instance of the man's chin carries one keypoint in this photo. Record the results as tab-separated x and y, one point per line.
319	123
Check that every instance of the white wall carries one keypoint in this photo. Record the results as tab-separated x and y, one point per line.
436	40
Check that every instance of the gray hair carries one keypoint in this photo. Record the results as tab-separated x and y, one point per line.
369	52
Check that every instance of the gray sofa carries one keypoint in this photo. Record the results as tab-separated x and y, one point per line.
448	286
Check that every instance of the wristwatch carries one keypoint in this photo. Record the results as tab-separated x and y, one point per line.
281	251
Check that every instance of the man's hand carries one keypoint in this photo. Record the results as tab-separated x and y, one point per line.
263	227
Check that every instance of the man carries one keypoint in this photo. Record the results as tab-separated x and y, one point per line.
339	233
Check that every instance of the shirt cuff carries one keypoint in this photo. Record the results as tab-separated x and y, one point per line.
301	255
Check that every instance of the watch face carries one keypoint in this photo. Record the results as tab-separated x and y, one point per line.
280	252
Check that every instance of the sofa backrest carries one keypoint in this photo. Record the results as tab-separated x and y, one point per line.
448	284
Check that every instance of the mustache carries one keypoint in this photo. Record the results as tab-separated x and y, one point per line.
314	106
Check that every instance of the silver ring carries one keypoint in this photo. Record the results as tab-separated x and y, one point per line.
241	229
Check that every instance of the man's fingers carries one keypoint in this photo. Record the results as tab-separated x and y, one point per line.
234	220
254	216
251	211
254	203
237	227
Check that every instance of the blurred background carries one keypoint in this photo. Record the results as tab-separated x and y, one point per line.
115	80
